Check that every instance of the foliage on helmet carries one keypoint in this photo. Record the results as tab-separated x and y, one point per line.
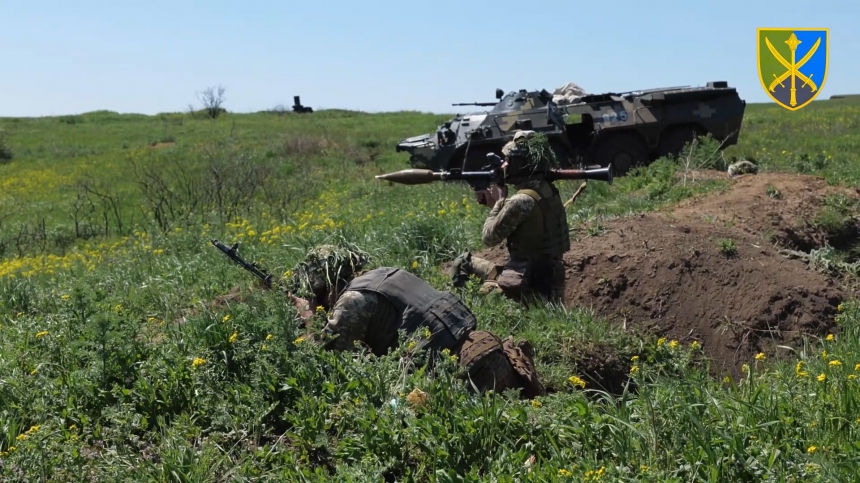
534	154
325	266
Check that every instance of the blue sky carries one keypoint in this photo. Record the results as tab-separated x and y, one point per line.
64	57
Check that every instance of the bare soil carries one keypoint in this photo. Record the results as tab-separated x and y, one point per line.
670	273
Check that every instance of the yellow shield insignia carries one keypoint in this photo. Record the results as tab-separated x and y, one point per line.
792	64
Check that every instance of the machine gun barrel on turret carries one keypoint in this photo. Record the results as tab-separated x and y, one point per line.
476	104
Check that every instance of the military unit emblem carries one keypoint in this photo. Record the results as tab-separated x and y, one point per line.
792	64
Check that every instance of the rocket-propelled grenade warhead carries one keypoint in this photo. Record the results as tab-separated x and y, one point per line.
412	176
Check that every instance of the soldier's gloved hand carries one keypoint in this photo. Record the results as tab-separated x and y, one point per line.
489	197
483	197
461	268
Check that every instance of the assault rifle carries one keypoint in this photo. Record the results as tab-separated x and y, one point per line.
256	270
491	174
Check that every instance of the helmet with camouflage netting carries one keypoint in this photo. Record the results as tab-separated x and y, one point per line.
327	269
529	153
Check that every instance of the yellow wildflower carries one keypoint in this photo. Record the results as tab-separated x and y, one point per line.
564	472
269	336
536	403
834	363
320	309
298	340
576	381
41	334
760	356
426	333
411	345
634	370
851	377
34	371
745	368
65	297
695	345
288	274
830	337
661	341
821	378
446	352
198	362
225	318
233	337
840	307
673	344
857	367
634	358
414	264
263	347
811	449
727	380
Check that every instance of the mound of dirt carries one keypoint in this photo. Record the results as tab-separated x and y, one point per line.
779	206
704	271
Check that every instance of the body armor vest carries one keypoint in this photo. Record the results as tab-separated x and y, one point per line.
420	305
545	233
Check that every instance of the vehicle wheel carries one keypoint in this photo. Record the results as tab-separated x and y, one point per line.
624	151
674	140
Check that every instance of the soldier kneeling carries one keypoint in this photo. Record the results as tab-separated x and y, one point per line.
375	306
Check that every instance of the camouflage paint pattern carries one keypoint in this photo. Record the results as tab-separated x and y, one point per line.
650	114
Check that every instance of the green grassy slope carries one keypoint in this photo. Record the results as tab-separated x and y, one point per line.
104	228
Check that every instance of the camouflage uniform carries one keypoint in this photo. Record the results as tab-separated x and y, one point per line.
376	305
742	167
534	223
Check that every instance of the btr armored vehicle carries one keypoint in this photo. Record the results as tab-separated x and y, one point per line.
626	129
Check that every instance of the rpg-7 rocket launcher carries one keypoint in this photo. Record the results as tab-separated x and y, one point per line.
492	174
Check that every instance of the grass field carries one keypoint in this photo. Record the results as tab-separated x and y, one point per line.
114	366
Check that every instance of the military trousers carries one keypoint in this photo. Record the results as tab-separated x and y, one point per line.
520	279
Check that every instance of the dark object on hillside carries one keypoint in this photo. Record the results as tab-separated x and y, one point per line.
625	130
298	107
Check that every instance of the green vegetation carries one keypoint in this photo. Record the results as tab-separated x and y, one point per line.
115	366
728	247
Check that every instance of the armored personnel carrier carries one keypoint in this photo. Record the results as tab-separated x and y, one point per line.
626	129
